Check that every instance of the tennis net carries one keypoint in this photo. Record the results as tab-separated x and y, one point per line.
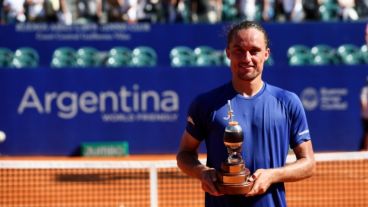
341	179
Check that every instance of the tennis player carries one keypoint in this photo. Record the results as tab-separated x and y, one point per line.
272	120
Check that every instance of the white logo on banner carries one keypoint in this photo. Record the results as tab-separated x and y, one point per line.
309	97
114	106
325	99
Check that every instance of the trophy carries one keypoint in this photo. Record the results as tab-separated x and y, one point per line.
233	178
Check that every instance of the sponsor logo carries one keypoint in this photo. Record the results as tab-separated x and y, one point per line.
325	99
125	105
309	97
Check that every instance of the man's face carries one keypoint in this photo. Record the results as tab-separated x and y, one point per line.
247	52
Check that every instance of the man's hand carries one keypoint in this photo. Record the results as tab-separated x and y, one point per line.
187	159
302	168
262	180
208	180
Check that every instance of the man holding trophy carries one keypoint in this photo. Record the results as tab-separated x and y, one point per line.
248	126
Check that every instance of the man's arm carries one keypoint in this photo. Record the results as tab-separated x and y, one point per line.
302	168
187	160
363	99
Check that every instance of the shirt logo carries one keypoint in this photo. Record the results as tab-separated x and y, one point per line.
190	120
303	132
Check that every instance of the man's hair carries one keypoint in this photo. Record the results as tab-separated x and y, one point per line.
246	25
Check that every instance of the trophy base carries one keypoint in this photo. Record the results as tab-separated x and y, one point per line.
235	189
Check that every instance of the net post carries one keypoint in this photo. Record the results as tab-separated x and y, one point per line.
153	186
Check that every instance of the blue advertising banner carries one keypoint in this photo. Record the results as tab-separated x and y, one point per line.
46	111
51	112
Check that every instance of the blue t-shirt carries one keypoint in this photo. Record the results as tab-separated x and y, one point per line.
272	120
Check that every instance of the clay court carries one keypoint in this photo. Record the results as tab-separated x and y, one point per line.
337	183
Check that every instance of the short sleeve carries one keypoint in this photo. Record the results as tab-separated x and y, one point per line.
299	124
196	120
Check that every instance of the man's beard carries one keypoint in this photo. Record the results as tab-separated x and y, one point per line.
247	76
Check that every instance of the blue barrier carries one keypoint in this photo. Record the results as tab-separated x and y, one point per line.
51	111
48	111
